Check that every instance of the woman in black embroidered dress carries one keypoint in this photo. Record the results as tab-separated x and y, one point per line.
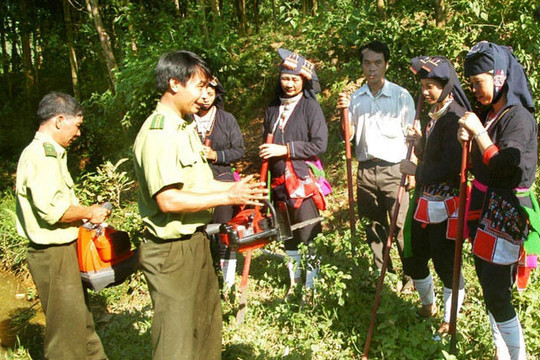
300	134
504	158
437	179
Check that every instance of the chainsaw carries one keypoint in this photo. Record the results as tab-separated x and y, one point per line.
254	228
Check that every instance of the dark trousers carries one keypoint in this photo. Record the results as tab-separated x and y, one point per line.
497	282
69	331
184	290
377	187
430	242
220	251
308	210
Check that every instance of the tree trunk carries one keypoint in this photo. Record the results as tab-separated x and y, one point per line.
381	8
309	7
214	4
256	10
440	13
27	62
274	11
71	49
15	58
105	40
38	50
5	62
28	68
133	36
242	20
177	7
204	25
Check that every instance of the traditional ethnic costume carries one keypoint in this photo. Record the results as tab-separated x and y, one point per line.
500	217
432	234
219	130
298	123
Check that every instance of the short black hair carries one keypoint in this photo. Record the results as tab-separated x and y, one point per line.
378	47
181	65
57	103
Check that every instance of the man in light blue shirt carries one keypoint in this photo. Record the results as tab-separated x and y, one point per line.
379	114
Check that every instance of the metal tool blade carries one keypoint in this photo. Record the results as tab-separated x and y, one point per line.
306	223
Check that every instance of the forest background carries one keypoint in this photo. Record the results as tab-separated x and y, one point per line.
104	53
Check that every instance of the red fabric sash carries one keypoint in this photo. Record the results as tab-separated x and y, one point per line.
300	189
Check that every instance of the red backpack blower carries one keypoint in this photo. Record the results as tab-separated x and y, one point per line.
105	255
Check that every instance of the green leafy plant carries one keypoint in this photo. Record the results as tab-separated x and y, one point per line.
12	246
106	184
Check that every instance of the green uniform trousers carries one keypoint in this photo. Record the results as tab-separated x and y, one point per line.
69	329
184	290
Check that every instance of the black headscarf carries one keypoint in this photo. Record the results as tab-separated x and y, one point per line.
296	64
441	69
220	91
507	72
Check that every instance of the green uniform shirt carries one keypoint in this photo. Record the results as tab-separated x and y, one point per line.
168	151
44	192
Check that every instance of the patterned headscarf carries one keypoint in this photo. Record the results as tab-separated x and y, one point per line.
296	64
507	72
441	69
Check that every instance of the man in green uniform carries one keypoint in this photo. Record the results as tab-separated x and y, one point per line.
176	191
48	214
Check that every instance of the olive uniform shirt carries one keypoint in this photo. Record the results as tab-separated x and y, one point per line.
44	193
168	151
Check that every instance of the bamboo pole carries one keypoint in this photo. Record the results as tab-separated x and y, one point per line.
458	252
348	160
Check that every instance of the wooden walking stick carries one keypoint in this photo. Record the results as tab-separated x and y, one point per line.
458	252
348	159
389	240
247	262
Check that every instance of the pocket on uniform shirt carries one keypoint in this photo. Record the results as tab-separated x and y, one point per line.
187	159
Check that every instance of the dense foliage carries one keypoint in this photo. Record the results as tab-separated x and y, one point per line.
36	39
244	60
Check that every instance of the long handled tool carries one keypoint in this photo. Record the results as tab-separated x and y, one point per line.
393	225
458	252
247	263
348	159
